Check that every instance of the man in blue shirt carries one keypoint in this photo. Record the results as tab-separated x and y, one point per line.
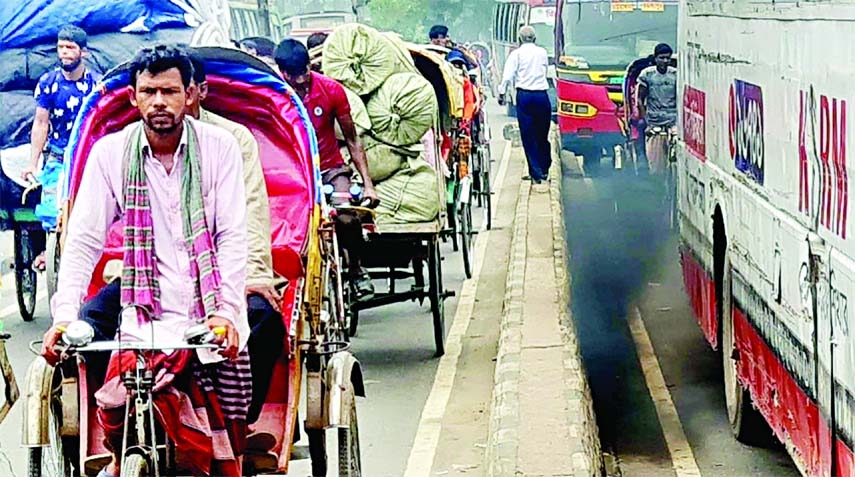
59	96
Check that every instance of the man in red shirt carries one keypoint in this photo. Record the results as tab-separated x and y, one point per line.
326	102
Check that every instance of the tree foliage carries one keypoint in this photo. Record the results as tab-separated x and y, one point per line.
467	20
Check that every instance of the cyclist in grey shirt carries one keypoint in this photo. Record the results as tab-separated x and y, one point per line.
657	103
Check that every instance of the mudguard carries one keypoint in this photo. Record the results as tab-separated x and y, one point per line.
343	372
37	392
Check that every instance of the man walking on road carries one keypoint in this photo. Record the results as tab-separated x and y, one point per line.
526	69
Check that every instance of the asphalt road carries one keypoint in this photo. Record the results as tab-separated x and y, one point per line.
624	266
395	347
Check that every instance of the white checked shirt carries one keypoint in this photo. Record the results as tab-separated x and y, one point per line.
526	69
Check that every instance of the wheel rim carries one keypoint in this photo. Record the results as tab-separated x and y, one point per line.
53	458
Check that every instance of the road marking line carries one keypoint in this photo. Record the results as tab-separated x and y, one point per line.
682	457
420	461
8	289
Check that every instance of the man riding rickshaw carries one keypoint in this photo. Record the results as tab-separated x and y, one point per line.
163	194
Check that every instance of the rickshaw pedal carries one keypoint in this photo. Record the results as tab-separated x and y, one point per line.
449	294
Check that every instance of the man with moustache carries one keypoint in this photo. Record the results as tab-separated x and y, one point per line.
173	182
59	96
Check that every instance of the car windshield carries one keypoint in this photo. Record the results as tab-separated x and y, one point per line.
609	36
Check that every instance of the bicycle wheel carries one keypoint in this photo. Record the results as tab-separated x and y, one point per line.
349	455
436	295
135	465
25	276
52	262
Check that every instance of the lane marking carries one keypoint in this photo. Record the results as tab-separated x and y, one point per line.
682	457
8	290
420	461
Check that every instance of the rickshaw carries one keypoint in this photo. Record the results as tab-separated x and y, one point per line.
632	124
59	425
454	87
18	201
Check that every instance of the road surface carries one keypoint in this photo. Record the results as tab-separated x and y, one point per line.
636	327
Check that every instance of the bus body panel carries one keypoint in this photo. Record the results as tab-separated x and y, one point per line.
590	119
764	144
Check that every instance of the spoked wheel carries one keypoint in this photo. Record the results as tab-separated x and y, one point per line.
336	299
135	465
486	195
349	457
25	276
318	451
452	221
53	459
467	234
52	262
437	298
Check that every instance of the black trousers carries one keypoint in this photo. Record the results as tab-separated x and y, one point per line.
265	340
534	113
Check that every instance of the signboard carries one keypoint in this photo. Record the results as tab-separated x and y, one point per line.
545	15
694	122
746	126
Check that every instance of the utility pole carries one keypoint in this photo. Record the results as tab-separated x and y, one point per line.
264	18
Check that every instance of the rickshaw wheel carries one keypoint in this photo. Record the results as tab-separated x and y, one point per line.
25	276
437	300
466	237
453	225
135	465
51	460
318	451
486	191
349	456
52	262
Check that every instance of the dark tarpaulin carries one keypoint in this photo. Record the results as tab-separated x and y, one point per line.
33	22
17	118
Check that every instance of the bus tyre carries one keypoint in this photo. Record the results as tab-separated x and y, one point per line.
746	423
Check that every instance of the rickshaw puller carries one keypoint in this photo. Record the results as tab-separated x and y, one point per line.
185	257
59	95
326	102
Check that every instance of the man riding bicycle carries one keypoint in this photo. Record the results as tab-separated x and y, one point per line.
657	104
327	103
59	96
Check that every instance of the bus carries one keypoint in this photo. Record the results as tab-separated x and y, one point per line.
508	17
246	20
766	246
596	40
301	18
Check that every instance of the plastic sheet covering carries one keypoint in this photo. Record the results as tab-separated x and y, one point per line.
403	109
242	89
27	23
22	67
18	108
361	58
410	195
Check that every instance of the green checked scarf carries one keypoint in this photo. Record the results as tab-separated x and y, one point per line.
139	274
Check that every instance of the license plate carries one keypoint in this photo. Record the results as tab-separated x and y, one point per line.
623	6
616	80
652	7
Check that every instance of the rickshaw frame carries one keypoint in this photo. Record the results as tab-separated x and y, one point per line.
333	374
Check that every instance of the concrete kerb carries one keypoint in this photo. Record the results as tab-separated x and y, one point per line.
503	445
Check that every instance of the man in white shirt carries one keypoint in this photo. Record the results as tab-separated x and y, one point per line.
526	69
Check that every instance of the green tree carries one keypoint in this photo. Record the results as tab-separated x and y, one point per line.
467	20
